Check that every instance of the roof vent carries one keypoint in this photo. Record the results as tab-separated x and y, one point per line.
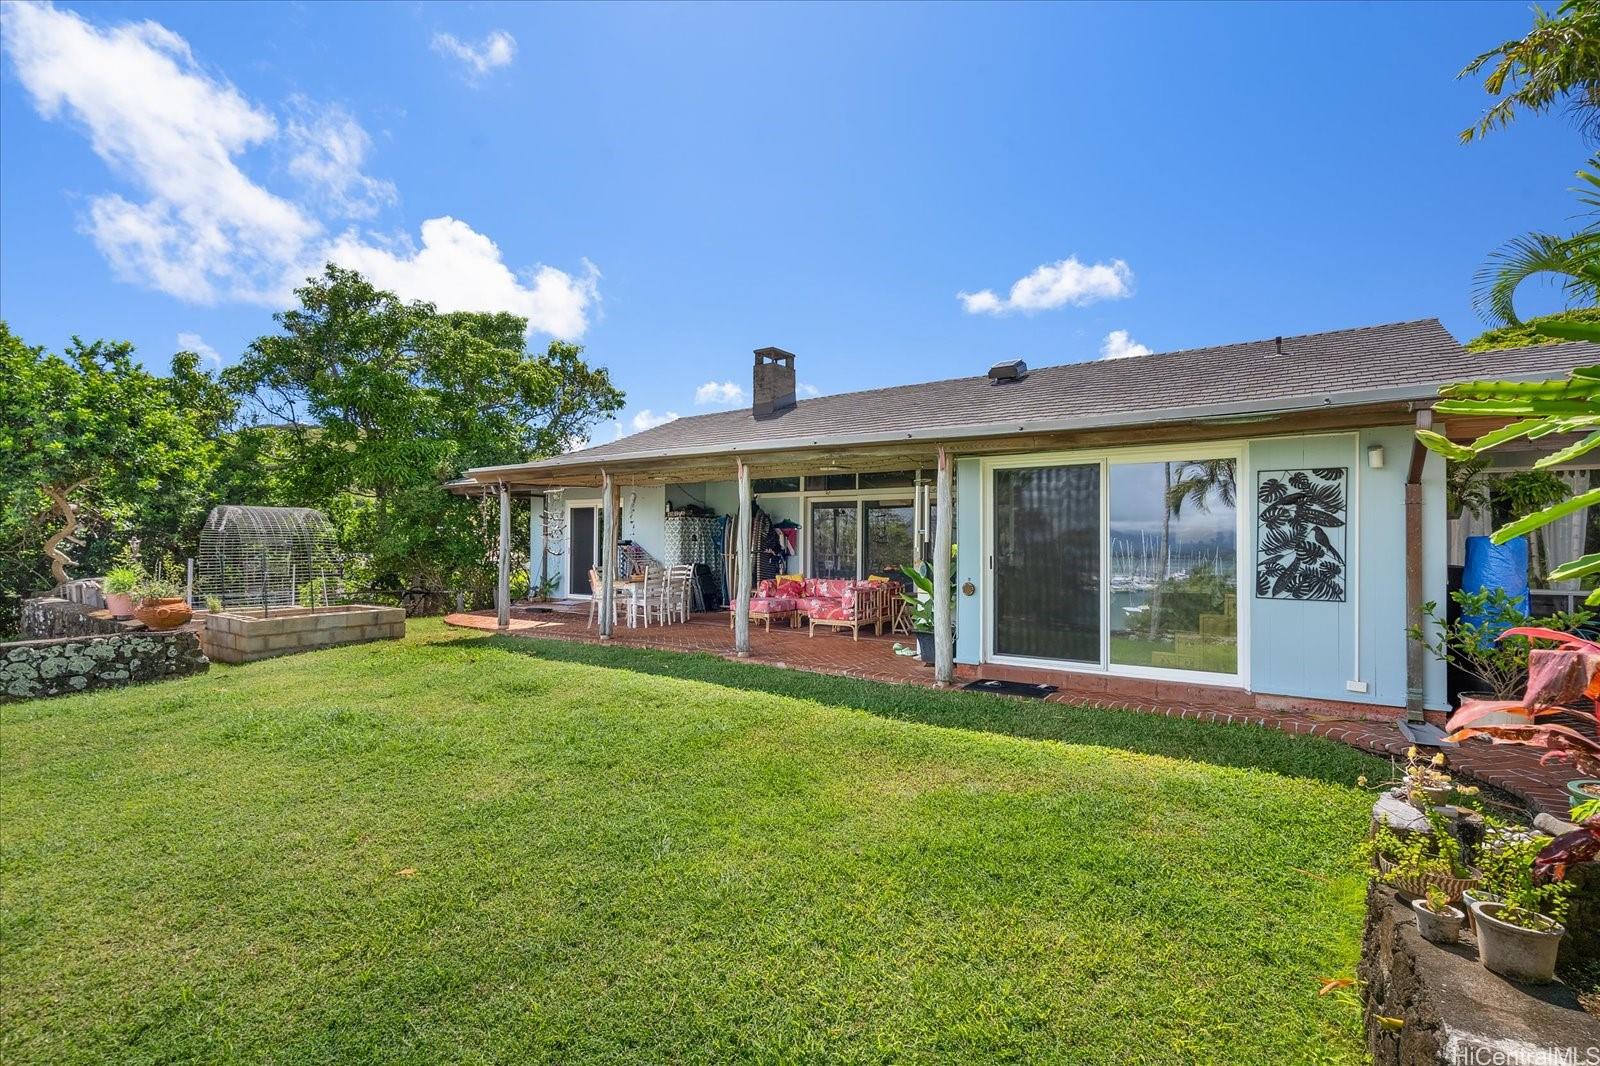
1277	343
1014	370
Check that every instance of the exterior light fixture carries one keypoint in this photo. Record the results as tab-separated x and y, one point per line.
1375	456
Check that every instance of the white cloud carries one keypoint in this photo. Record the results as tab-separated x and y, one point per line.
1119	345
460	269
805	392
1053	285
206	231
329	148
983	302
498	49
648	419
192	342
720	392
165	125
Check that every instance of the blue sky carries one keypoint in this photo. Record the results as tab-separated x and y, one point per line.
673	186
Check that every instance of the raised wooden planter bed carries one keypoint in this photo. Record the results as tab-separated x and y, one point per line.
242	635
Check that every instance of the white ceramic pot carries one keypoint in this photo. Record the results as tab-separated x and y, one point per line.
1514	951
1438	927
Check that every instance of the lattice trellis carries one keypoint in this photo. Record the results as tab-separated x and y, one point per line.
263	556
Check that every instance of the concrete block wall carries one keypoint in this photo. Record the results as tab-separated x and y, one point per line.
242	637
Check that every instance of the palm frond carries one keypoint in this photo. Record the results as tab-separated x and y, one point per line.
1571	259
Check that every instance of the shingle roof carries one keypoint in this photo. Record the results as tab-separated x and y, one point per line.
1402	360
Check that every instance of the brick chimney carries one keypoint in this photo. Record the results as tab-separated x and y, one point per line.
773	387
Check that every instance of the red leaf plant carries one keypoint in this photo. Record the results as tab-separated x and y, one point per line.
1556	676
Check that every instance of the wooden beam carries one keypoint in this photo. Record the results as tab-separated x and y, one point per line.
743	565
608	556
502	587
944	637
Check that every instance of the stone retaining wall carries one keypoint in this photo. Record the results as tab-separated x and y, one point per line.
33	668
50	617
1429	1005
238	636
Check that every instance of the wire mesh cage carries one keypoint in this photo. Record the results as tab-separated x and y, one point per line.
270	557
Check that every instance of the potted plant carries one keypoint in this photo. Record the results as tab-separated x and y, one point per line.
1519	931
1417	861
920	600
118	587
160	603
1490	649
1437	921
1584	790
1426	783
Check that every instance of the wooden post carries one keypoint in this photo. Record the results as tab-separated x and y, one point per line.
743	566
608	555
944	643
502	587
1414	584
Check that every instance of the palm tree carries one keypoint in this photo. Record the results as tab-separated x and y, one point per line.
1574	261
1200	479
1196	481
1557	62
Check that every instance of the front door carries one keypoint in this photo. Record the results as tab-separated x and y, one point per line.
583	548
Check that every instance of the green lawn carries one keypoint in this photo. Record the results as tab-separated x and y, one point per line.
463	847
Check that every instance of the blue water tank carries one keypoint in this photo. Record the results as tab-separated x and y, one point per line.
1497	566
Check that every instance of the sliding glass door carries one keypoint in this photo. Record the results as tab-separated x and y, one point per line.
1126	562
1047	533
1174	561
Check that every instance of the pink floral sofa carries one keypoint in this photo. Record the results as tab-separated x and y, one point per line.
835	602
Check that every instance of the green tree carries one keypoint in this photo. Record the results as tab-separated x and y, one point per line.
1527	333
377	402
1555	63
91	440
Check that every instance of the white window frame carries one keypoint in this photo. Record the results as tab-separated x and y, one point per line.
1244	551
891	497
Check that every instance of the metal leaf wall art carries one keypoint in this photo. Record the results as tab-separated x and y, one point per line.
1300	534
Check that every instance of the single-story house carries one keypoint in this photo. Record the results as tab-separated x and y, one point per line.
1254	516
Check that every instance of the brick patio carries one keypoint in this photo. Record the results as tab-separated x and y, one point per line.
1509	769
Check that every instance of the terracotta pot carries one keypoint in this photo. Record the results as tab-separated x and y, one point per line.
120	604
164	613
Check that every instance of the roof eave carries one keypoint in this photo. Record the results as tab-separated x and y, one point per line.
1392	394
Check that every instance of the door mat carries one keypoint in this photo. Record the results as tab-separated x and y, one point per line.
1010	688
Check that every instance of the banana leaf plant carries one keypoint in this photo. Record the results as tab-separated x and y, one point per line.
1556	676
1537	409
921	600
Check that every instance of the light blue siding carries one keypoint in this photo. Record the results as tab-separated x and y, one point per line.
1312	649
644	509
